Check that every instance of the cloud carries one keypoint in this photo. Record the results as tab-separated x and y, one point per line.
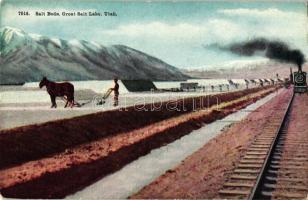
272	23
158	29
178	33
250	23
270	13
182	42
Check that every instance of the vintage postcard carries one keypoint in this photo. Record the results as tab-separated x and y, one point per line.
153	99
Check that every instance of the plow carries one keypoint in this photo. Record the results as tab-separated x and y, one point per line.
97	100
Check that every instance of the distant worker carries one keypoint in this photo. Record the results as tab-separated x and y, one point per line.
212	86
115	90
220	88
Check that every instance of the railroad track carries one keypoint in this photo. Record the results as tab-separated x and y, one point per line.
274	167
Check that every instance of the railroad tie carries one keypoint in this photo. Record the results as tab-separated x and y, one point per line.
244	161
294	180
250	171
290	195
243	177
256	153
235	192
250	165
295	187
254	157
238	184
289	167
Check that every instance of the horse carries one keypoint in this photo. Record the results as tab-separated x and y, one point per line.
65	90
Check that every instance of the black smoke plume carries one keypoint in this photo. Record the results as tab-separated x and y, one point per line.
276	50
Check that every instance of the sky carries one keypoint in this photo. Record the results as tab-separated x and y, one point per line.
178	32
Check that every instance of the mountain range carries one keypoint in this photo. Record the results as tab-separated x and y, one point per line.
247	69
26	57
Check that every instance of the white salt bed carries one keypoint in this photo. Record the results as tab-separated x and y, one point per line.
23	96
19	108
139	173
27	104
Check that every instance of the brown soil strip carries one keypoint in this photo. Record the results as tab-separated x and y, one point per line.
33	142
202	174
67	172
294	146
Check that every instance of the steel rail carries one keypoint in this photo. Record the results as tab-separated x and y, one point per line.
257	189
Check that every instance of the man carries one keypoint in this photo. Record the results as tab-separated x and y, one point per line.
115	90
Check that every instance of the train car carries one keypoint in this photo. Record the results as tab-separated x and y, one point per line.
300	82
286	83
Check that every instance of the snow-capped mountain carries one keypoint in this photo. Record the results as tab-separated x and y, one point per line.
27	57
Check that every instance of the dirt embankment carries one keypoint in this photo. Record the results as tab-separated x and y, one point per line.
33	142
69	171
202	174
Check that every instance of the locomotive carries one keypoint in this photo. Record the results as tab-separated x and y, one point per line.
299	80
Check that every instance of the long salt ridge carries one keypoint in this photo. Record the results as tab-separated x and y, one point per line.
139	173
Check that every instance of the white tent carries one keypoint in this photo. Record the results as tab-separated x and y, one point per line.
167	84
206	82
239	81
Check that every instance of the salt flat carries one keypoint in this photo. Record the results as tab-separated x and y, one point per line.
25	105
